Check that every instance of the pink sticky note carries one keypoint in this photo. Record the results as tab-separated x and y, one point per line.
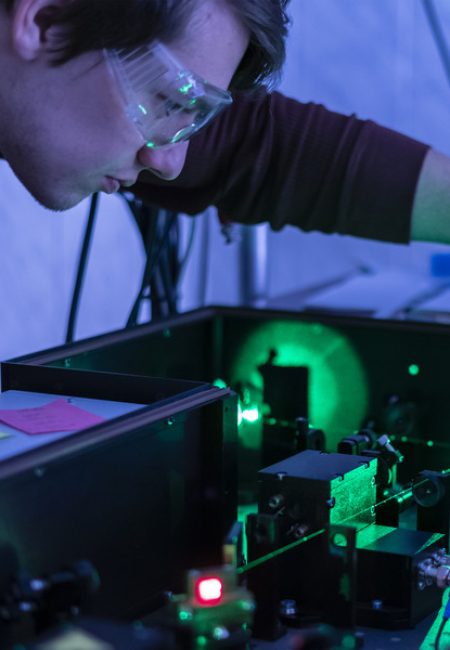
58	415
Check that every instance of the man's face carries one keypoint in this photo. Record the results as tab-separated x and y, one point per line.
66	133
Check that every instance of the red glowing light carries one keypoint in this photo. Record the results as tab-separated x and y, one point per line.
208	591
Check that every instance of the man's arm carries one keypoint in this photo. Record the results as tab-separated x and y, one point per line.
271	158
431	209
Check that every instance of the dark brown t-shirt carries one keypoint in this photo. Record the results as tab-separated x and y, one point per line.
271	158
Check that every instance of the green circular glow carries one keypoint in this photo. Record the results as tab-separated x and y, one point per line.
414	370
219	383
337	382
430	443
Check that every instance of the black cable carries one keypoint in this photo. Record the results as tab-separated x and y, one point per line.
149	247
170	270
81	268
169	287
438	34
174	266
183	262
157	247
204	261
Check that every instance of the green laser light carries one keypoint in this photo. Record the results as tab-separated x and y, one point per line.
250	414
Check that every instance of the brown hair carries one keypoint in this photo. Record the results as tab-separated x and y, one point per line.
97	24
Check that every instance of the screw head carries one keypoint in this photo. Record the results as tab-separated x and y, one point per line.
276	501
288	607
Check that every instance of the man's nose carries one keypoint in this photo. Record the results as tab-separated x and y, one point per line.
166	163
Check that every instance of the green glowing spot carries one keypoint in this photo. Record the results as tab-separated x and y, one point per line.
430	443
404	438
142	109
150	144
413	369
348	642
185	615
201	641
339	540
247	606
186	88
338	390
219	383
250	414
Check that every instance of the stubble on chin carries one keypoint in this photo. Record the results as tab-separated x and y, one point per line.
54	201
52	195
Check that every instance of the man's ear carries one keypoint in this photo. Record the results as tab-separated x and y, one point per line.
31	20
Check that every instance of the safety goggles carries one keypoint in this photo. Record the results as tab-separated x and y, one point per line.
167	103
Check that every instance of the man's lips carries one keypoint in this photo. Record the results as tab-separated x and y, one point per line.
111	184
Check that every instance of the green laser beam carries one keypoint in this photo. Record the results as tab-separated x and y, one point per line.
279	551
303	540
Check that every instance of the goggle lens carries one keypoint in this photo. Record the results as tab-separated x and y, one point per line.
167	103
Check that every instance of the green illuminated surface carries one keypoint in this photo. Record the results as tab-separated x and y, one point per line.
338	392
414	369
220	383
429	641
